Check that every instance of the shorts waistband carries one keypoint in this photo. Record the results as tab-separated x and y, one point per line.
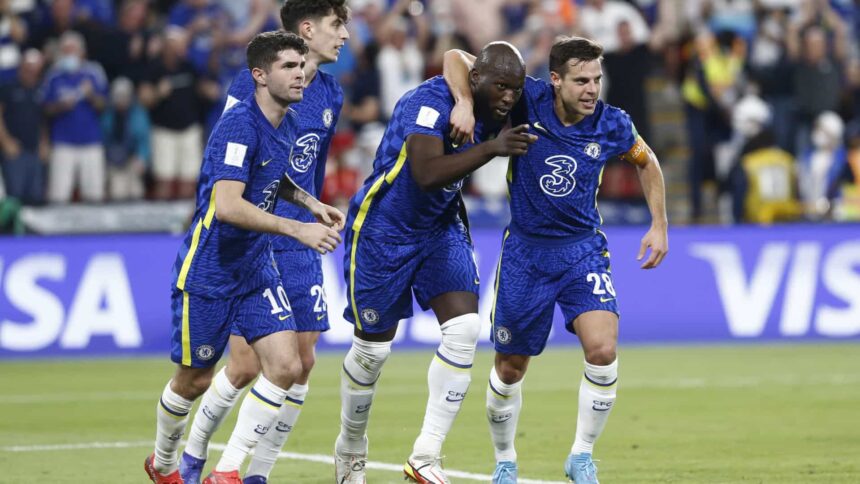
545	241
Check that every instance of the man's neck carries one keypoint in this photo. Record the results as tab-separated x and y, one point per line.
566	118
312	66
273	110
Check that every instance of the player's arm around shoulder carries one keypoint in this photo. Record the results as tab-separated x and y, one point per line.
651	177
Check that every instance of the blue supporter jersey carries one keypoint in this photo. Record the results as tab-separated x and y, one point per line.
553	187
216	258
317	116
81	125
391	205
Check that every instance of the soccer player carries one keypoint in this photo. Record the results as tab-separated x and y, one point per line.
322	25
405	234
553	251
225	272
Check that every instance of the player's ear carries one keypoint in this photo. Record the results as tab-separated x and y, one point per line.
306	29
259	76
555	79
474	78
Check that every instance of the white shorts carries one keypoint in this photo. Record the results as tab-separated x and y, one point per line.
177	155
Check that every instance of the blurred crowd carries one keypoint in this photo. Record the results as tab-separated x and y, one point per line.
112	100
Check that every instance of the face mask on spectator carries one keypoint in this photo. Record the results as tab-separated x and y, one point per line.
69	63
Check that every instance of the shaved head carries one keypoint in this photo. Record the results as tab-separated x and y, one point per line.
497	79
497	57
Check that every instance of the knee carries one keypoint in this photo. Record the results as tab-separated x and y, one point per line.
241	374
285	372
191	385
510	373
307	361
461	334
601	355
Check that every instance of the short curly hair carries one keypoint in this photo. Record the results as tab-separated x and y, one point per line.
295	12
264	48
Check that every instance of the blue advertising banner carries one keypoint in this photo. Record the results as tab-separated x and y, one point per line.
110	295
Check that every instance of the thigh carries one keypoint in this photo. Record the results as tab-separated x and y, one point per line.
163	154
191	153
588	284
301	275
447	265
263	311
524	301
379	279
201	327
92	173
61	175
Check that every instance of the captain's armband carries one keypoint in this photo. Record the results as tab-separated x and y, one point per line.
639	154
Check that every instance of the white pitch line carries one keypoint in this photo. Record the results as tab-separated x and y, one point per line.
320	458
653	383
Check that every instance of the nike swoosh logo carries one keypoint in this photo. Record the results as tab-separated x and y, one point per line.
477	281
540	127
501	419
606	299
320	317
460	399
600	409
267	162
282	318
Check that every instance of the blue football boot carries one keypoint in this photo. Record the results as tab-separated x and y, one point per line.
191	468
581	469
506	473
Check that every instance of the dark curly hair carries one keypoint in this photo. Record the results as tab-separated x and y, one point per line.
295	12
264	48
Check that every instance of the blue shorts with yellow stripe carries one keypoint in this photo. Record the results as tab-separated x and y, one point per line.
533	275
381	276
202	326
302	278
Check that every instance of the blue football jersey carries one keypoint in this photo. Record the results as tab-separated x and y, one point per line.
391	205
317	116
218	259
553	187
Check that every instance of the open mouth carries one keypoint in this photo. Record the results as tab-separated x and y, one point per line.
502	112
589	104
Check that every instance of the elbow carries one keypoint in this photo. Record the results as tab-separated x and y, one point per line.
224	210
425	180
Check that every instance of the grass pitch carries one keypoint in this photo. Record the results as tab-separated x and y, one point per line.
749	414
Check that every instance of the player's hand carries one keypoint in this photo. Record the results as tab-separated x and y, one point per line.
462	123
513	141
318	237
328	216
658	240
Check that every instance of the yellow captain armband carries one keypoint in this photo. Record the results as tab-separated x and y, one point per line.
639	154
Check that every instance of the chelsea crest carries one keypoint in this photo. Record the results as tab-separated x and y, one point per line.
328	117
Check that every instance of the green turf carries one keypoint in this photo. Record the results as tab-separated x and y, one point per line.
757	414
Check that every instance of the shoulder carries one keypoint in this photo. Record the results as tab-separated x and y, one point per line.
433	93
239	121
614	117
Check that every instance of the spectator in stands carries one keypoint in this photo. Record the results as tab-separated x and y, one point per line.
121	49
13	33
23	136
824	167
627	67
771	68
599	19
125	125
175	95
58	18
818	69
207	26
763	180
74	94
711	86
400	62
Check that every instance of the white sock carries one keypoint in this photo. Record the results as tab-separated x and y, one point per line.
448	380
361	369
257	413
171	417
217	403
503	412
596	399
266	453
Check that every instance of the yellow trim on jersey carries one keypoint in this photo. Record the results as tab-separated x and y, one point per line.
450	366
359	222
498	276
206	221
401	160
186	331
356	228
597	190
